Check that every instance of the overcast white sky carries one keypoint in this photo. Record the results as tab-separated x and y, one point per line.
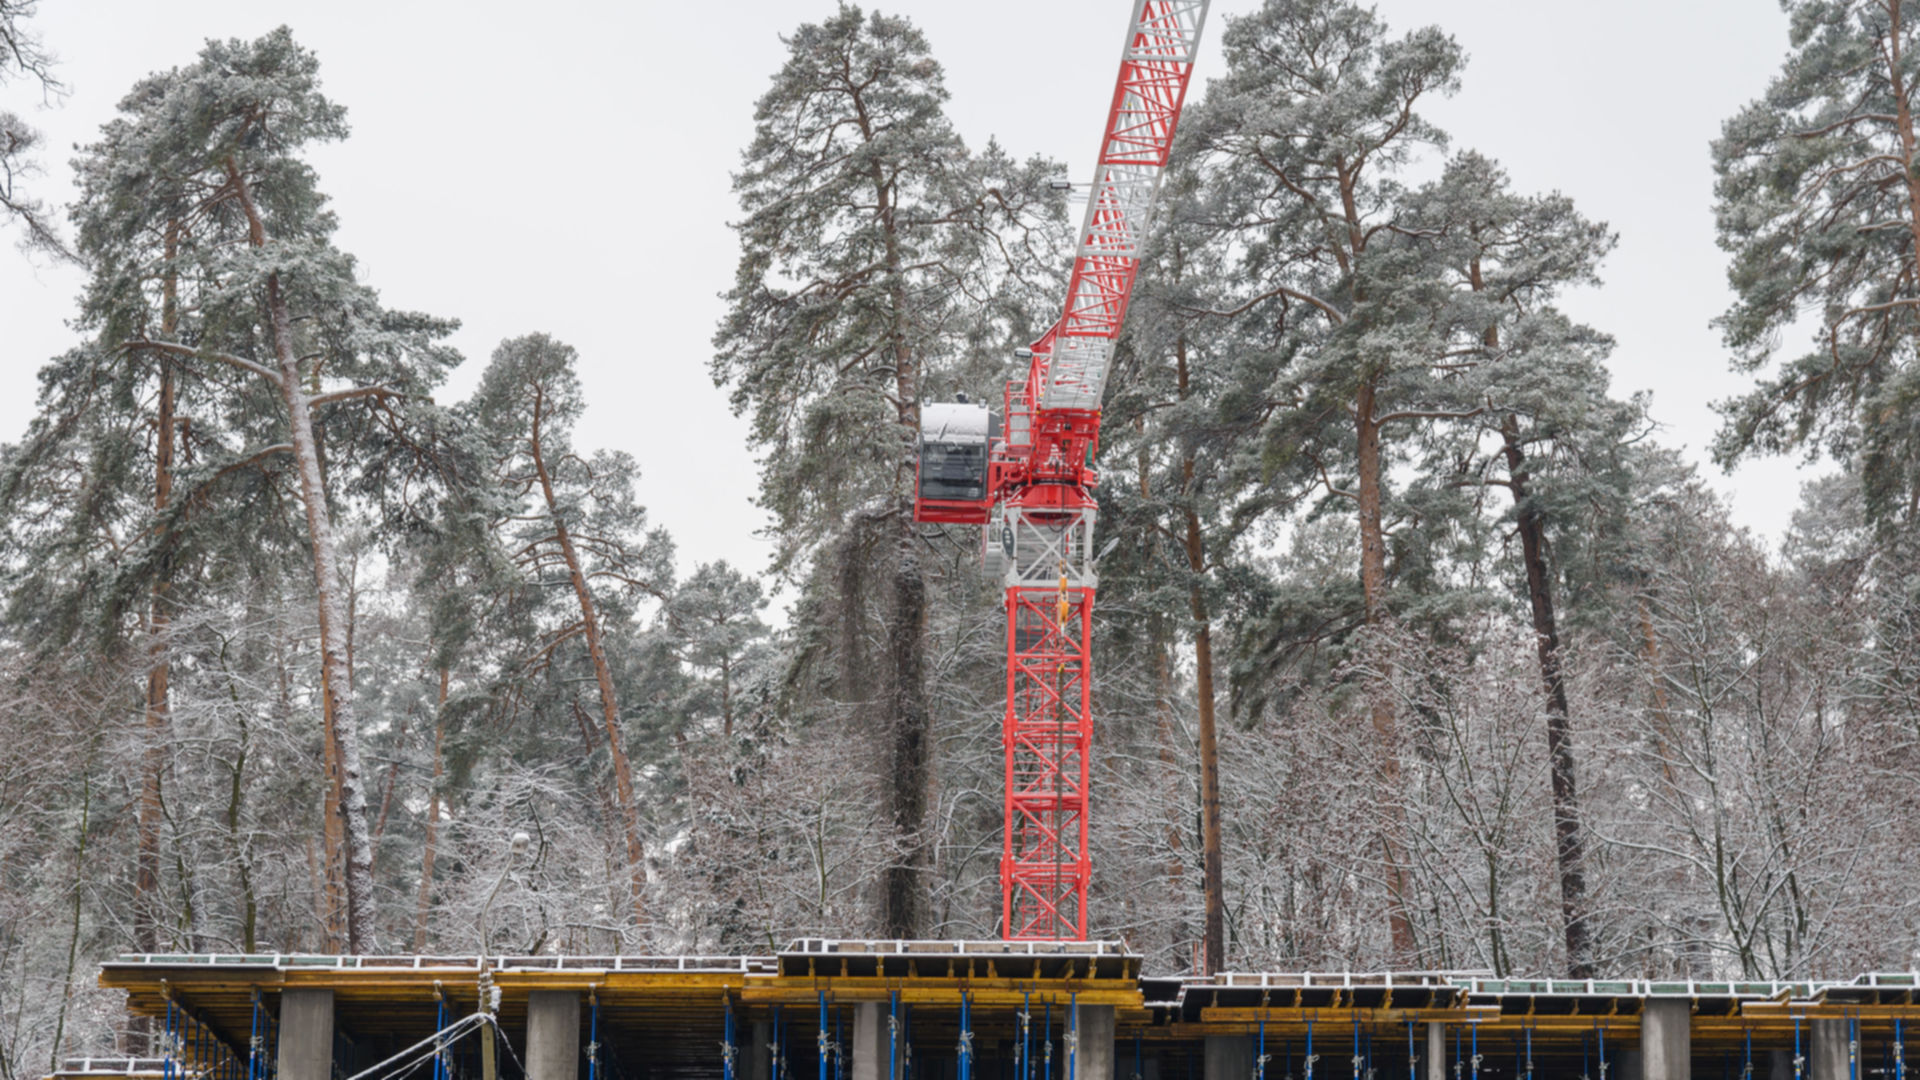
564	167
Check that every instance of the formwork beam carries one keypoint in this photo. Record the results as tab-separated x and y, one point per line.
942	997
1466	1014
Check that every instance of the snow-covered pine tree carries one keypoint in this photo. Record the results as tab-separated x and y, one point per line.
1181	499
870	267
1818	201
569	521
303	348
1550	433
1305	137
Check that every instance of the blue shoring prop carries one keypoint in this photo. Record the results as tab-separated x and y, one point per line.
1356	1045
893	1034
1260	1060
1046	1037
1474	1061
1073	1033
166	1045
593	1037
1899	1052
1798	1061
1307	1061
1853	1047
1023	1050
1746	1066
1413	1057
820	1040
726	1043
963	1052
1600	1042
440	1069
1529	1052
253	1039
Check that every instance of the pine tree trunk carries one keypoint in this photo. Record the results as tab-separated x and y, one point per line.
908	715
603	676
424	906
1373	587
1212	869
1160	641
242	861
332	832
146	886
153	763
1903	122
1569	844
336	690
1180	935
908	730
358	840
1214	932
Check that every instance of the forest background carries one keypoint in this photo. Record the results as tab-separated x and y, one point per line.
301	625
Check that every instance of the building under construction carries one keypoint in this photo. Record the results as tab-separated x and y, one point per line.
1043	1005
971	1010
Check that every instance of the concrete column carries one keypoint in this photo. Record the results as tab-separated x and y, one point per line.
1436	1050
553	1035
306	1035
1827	1059
871	1041
756	1058
1093	1043
1229	1057
1626	1063
1666	1040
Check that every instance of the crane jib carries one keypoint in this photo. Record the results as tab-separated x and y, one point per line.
1029	479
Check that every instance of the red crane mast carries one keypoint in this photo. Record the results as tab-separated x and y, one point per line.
1031	484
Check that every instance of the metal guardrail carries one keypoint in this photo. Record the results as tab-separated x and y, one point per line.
112	1066
1759	990
1329	980
901	947
303	961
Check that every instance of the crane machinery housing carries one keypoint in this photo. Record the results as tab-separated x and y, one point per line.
1029	483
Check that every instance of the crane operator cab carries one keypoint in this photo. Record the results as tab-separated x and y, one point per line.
953	470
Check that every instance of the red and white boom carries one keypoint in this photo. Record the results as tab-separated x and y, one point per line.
1031	485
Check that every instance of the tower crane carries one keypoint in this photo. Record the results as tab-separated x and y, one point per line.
1029	483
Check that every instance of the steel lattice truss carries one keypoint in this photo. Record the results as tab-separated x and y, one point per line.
1043	876
1044	480
1032	486
1070	363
